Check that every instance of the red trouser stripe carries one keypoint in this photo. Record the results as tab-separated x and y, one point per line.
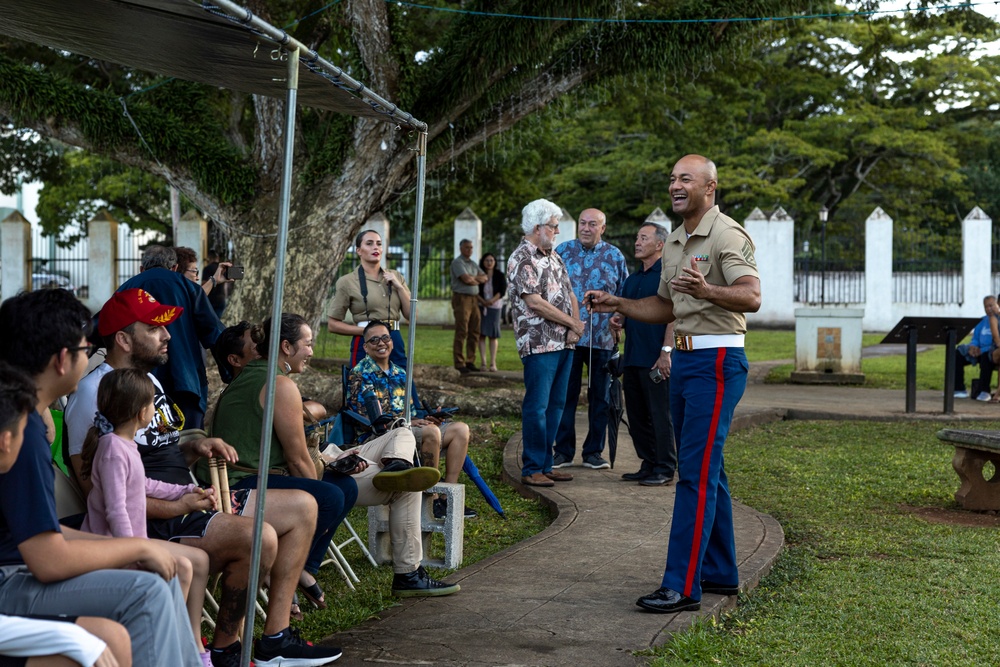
706	461
357	347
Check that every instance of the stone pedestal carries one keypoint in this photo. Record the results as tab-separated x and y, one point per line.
828	346
15	255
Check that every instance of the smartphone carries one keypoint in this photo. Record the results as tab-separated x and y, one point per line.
234	272
442	415
656	376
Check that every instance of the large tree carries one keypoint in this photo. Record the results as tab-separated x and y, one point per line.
469	76
851	113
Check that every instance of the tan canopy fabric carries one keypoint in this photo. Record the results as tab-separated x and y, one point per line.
182	39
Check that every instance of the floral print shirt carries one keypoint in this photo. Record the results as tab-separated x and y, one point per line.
389	387
532	271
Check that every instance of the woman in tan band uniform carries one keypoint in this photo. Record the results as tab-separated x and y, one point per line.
387	299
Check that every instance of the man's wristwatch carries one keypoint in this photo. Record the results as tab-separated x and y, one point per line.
667	349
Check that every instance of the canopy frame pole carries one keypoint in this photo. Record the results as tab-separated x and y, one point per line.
415	264
284	203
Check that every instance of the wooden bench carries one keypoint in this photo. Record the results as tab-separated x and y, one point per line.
973	449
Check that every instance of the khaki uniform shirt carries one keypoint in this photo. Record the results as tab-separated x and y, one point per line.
724	252
348	298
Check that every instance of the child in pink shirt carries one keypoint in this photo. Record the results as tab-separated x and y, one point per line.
116	506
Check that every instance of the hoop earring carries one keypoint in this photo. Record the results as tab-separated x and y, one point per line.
288	367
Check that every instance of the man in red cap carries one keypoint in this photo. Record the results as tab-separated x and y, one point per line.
183	377
133	325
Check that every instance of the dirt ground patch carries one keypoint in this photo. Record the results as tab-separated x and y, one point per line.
954	517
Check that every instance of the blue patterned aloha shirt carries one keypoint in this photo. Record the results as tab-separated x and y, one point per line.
367	379
599	268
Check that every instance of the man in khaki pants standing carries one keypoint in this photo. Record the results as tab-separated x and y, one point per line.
466	277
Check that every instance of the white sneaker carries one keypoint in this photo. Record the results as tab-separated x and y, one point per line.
961	394
983	396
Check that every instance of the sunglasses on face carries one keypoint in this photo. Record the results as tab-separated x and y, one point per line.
374	340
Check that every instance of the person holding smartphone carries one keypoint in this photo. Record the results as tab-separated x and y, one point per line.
646	376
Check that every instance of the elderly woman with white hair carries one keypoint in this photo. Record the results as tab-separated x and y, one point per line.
546	326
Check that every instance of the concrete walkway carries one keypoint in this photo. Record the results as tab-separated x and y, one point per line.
565	597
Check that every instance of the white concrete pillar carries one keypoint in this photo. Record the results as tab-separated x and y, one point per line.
379	223
15	255
567	229
774	240
878	272
977	230
102	259
192	232
468	226
658	217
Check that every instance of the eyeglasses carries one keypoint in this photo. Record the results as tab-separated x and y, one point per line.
89	349
554	227
375	339
193	272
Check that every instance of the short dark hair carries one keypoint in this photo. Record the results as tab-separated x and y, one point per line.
291	330
230	341
185	256
17	396
371	325
34	326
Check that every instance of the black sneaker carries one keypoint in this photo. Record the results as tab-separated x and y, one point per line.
290	650
226	657
419	584
441	509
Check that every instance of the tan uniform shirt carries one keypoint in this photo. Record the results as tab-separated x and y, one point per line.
724	252
348	299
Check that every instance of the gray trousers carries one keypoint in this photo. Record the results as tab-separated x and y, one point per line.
152	610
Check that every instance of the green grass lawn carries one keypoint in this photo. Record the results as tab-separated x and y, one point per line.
434	345
881	372
863	580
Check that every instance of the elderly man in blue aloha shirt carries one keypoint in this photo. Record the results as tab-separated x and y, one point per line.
592	264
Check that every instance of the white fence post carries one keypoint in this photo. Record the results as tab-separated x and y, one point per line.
878	272
15	254
774	240
658	217
469	226
977	228
102	259
192	232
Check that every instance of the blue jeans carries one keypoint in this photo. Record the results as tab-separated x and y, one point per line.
597	403
545	378
335	495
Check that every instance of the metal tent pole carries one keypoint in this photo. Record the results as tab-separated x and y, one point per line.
415	264
272	359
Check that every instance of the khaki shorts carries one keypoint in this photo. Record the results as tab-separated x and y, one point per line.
418	432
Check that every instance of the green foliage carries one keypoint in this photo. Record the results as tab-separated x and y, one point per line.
864	578
177	125
86	183
848	113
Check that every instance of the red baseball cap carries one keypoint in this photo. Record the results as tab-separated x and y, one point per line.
134	305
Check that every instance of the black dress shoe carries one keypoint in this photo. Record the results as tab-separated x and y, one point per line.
667	601
636	476
419	584
719	589
656	479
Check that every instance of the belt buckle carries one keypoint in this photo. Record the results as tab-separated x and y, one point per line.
683	343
